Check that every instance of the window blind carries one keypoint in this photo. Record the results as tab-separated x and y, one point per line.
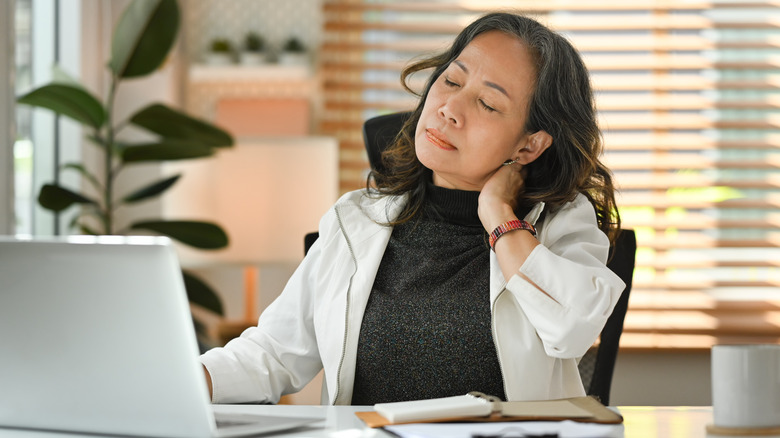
688	94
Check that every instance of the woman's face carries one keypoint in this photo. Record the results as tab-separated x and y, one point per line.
473	118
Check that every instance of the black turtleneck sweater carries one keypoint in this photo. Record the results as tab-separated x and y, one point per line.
426	330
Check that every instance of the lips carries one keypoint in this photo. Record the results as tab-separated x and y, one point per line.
437	138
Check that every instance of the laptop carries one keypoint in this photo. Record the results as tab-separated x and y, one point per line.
96	336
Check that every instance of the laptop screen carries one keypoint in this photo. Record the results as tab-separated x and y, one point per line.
96	336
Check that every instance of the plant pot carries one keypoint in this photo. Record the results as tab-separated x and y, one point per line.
253	58
218	58
293	58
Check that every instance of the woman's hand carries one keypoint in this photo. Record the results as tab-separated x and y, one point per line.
498	197
208	382
497	202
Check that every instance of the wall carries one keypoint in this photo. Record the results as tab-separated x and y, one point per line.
202	21
274	20
662	378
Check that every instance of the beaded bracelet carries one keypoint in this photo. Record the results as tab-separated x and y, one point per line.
507	227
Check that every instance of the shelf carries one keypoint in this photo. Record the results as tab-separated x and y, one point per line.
203	73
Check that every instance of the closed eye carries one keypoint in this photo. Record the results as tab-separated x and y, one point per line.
486	106
449	83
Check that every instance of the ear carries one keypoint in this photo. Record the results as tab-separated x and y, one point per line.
536	143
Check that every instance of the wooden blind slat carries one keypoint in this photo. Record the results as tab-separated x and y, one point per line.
660	263
625	102
666	180
562	23
593	44
695	201
537	6
678	161
664	142
352	80
595	64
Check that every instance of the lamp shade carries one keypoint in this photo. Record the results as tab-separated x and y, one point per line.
267	193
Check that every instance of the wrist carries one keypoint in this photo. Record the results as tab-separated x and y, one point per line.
507	227
495	216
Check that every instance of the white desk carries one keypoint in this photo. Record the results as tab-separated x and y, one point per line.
341	422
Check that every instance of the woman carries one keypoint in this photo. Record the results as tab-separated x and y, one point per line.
431	284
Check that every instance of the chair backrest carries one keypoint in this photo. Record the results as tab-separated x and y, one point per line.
308	241
598	366
378	133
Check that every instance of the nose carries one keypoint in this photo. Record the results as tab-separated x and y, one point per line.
448	111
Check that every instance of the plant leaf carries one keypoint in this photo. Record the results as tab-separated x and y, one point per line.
60	76
86	229
68	100
200	293
143	37
203	235
151	190
56	198
78	167
165	151
173	124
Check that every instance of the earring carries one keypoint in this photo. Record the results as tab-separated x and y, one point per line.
509	162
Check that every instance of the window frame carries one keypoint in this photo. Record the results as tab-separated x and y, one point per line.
7	120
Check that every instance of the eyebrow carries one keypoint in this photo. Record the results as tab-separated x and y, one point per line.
488	83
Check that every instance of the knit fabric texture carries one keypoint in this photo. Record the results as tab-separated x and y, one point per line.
426	330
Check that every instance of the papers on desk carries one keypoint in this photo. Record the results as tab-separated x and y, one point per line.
560	429
477	415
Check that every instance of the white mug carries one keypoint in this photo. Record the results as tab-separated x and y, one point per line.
746	386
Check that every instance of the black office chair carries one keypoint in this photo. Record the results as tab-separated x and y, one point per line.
598	364
308	241
378	133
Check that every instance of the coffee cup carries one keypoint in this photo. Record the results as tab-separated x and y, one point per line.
746	386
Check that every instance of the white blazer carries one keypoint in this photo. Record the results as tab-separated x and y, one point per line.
315	322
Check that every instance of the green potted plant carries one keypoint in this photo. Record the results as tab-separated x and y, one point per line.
253	52
220	52
293	52
142	39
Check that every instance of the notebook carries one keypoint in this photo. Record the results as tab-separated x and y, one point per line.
96	336
478	407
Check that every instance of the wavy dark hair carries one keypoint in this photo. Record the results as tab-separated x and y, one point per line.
562	104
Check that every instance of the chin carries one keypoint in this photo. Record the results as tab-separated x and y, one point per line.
427	157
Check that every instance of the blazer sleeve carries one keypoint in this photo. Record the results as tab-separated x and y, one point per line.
280	354
570	265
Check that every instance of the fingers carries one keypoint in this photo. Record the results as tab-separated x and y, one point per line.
506	183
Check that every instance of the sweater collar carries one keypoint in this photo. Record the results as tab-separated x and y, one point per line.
451	205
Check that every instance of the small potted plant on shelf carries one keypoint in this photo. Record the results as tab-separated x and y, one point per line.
220	53
293	52
253	52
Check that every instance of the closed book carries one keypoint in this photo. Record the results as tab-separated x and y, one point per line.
437	408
